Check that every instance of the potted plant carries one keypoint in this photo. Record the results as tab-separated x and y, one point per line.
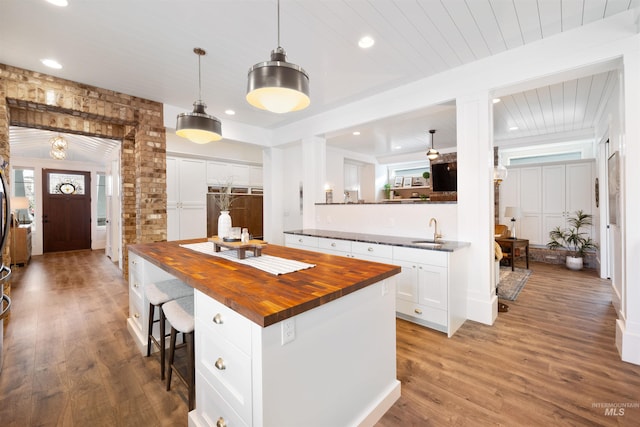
573	239
387	191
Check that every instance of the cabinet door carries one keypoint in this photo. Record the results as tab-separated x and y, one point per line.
240	175
530	190
192	222
173	222
553	187
407	281
172	181
432	286
255	176
192	182
579	178
218	173
530	227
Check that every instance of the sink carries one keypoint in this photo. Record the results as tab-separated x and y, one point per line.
427	243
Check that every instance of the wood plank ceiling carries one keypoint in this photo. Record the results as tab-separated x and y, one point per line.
145	49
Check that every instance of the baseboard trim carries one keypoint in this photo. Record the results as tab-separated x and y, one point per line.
482	311
628	343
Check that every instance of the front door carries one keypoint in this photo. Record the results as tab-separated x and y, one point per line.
66	210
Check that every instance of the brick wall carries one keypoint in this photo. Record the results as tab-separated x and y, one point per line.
41	101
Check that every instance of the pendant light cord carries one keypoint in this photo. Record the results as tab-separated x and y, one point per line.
278	23
199	80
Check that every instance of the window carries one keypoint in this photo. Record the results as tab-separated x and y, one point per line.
102	200
62	183
23	186
560	157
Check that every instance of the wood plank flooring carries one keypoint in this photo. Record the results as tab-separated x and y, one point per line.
69	359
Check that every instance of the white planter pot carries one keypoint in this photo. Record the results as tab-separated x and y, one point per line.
574	263
224	224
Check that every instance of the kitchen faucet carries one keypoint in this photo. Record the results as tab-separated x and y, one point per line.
436	236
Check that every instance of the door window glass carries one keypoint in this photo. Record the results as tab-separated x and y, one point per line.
66	184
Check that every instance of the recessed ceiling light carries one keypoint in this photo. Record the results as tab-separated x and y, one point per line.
356	133
366	42
229	112
496	100
397	147
61	3
514	128
51	63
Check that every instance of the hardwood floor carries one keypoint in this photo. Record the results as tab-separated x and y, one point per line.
69	359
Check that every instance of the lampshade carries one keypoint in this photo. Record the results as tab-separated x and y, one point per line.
432	154
58	143
512	212
19	203
277	85
198	126
499	173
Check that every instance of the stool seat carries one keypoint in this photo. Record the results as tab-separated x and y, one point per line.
158	293
179	313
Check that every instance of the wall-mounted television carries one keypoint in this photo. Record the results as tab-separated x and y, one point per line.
444	176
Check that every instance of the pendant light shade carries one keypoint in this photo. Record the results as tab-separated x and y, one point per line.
58	148
198	126
432	154
277	85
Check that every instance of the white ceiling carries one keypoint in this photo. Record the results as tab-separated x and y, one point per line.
145	48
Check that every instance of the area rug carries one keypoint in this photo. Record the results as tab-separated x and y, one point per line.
512	282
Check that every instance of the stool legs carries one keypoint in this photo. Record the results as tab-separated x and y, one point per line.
190	380
151	340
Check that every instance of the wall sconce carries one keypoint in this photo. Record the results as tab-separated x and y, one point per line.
499	174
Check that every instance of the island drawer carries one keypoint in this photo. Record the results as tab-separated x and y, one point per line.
135	263
135	312
135	286
226	368
213	407
230	325
372	249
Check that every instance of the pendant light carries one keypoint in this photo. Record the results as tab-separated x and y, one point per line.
277	85
198	126
432	154
58	148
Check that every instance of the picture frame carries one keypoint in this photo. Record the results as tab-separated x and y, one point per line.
398	182
407	181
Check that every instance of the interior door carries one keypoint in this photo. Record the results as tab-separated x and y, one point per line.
66	210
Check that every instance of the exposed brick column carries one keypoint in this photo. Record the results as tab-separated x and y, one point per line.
41	101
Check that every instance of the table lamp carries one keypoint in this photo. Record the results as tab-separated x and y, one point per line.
513	213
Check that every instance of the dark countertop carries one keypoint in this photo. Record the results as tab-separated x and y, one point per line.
447	245
262	297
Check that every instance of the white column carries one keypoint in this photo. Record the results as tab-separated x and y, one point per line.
314	155
273	168
475	202
628	325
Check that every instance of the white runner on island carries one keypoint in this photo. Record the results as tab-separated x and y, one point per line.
270	264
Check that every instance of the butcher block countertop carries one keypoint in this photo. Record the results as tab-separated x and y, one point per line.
262	297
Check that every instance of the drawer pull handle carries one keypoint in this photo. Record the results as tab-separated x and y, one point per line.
220	364
418	311
136	285
217	319
333	245
370	249
300	240
136	315
221	422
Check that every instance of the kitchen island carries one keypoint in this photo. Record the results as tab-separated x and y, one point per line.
312	347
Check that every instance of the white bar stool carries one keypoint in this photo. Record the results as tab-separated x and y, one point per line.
179	313
158	294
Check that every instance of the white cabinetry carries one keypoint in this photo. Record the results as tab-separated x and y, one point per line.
218	173
428	291
423	287
240	175
255	176
546	195
186	198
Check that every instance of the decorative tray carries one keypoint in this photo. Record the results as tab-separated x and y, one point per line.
254	246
